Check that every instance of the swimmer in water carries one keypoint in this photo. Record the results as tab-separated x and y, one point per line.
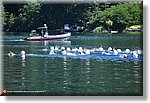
11	53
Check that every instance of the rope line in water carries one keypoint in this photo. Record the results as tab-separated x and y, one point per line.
85	53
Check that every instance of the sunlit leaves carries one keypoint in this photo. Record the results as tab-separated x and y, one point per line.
125	13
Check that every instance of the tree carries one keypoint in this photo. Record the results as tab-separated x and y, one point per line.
28	17
56	15
113	16
121	15
7	19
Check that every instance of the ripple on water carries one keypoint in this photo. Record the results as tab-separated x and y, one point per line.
93	74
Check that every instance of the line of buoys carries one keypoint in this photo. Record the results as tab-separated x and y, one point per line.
88	51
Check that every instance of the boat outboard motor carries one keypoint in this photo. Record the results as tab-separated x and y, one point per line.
33	32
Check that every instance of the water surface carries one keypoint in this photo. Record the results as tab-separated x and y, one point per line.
66	75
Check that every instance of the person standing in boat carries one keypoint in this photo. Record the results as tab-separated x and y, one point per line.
45	31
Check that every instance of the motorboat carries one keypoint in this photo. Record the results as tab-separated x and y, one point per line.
43	35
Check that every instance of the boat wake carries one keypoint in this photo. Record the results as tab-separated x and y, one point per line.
14	40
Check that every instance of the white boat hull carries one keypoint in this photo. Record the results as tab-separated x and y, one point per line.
51	37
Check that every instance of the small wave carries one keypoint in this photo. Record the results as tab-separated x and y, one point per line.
15	40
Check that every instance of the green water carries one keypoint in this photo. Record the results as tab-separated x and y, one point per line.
71	76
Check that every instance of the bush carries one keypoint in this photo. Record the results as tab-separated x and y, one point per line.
100	29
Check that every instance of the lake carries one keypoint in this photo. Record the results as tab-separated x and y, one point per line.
42	74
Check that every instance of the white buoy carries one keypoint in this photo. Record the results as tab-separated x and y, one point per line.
51	52
52	48
139	51
87	52
115	52
22	52
68	49
110	49
119	50
62	48
101	49
64	52
127	51
80	49
56	48
135	55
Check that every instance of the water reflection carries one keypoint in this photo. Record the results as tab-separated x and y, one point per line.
88	69
15	76
73	75
51	42
23	79
66	81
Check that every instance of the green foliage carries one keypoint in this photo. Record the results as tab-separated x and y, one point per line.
3	15
99	29
128	14
31	15
125	14
25	18
56	15
28	16
7	20
90	15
